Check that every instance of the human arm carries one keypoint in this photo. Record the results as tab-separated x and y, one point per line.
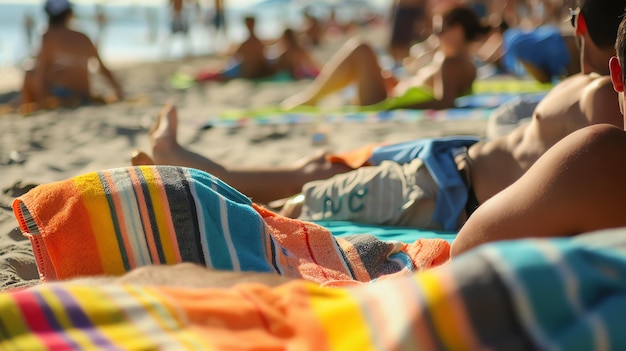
117	88
115	85
42	66
421	54
577	186
491	49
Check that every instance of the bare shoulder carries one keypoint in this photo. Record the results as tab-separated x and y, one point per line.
600	102
599	87
458	72
459	67
79	36
577	186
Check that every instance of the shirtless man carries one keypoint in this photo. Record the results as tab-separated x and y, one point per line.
61	73
248	60
577	102
577	186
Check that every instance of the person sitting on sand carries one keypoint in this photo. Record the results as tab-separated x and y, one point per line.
249	59
252	59
61	74
450	75
294	58
480	169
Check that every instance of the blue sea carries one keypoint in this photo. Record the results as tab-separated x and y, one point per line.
140	31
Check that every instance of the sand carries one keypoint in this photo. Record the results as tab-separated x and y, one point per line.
55	145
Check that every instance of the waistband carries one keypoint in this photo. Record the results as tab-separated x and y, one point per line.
463	164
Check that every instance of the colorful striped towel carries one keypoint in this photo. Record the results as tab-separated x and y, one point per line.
112	221
524	295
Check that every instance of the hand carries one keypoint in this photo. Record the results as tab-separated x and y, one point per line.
293	207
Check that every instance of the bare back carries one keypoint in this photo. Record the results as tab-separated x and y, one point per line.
577	102
251	54
64	59
446	77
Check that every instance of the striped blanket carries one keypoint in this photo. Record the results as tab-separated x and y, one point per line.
109	222
524	295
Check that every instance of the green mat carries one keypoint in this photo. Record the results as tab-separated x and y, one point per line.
486	94
182	81
415	96
503	86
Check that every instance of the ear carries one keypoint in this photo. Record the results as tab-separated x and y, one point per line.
616	74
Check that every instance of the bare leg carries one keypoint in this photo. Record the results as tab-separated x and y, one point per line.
261	184
355	62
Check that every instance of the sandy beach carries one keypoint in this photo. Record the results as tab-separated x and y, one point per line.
55	145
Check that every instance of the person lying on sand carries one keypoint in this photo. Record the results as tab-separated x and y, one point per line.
577	186
61	72
450	75
478	169
119	232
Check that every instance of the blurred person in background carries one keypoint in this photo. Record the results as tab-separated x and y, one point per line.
61	72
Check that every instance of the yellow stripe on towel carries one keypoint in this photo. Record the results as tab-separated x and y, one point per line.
442	312
338	312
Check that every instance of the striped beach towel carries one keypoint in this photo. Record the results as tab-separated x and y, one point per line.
111	221
523	295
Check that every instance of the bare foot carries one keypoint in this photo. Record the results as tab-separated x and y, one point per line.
163	134
140	158
292	207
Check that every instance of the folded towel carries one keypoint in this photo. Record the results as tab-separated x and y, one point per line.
111	221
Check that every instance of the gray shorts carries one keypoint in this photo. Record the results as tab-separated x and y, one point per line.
387	194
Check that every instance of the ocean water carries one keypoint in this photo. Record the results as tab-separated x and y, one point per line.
140	31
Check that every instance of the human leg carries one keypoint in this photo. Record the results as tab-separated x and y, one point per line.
355	62
261	184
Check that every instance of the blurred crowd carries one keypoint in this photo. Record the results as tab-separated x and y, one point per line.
58	74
